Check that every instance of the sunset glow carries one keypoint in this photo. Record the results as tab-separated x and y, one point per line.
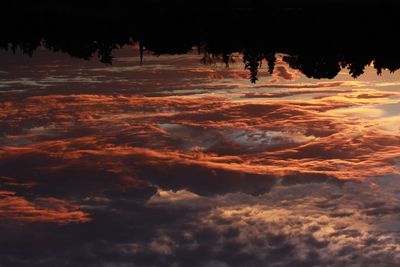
146	164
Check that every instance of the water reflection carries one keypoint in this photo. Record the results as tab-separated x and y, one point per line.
178	163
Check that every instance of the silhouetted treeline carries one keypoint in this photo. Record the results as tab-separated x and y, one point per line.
318	37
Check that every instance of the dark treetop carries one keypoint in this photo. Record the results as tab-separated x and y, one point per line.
317	37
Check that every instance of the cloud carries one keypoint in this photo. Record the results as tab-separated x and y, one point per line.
309	85
293	93
284	72
52	210
164	140
165	197
376	95
166	165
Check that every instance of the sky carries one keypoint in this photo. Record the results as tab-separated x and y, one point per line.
179	163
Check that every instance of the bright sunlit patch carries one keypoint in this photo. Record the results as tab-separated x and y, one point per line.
359	112
168	197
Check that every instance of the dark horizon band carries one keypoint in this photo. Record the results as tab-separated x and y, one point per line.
319	37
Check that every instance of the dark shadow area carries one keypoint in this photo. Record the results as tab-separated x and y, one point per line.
318	38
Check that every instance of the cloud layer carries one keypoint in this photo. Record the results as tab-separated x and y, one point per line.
179	164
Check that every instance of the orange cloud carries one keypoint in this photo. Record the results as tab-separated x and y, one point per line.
132	141
13	207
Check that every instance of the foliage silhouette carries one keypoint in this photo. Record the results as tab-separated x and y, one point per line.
318	39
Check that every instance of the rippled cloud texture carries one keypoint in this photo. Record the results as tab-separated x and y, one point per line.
175	163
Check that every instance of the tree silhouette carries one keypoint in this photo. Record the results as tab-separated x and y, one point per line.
271	59
307	32
252	62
